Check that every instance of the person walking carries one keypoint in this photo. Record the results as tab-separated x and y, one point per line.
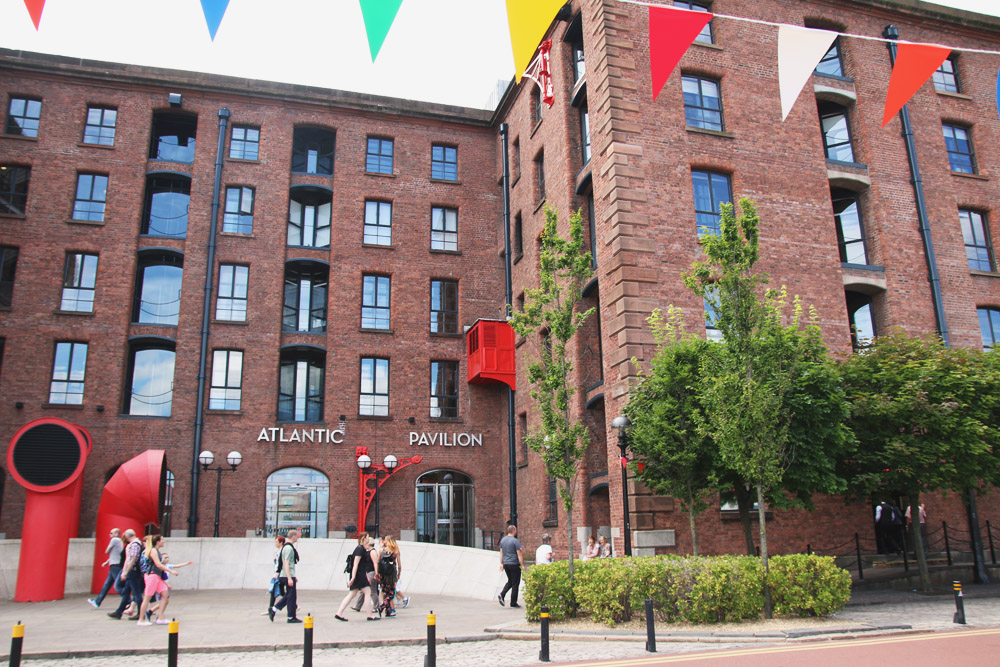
154	582
275	590
543	554
114	563
389	569
511	562
289	557
131	577
923	525
358	583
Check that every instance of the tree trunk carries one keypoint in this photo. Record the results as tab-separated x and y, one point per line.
743	502
917	540
572	548
694	532
762	515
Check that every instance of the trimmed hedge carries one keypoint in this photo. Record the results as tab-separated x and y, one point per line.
692	589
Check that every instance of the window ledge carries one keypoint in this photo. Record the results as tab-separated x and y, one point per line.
445	334
5	309
538	206
445	181
104	147
514	180
285	332
977	177
152	324
65	406
238	323
714	133
375	418
945	93
325	248
708	45
378	174
126	415
242	159
378	245
165	161
298	423
90	223
238	235
18	137
13	216
534	128
874	268
445	420
522	464
985	274
441	251
550	523
377	331
76	313
224	412
310	173
517	258
734	515
835	77
519	342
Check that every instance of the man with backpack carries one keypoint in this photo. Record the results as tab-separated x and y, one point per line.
287	559
133	586
889	523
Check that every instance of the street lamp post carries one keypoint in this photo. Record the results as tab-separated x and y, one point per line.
233	459
389	464
622	423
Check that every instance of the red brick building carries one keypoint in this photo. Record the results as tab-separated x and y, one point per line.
358	236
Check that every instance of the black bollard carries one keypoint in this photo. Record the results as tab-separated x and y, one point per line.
650	629
430	660
307	642
959	603
16	640
172	629
543	655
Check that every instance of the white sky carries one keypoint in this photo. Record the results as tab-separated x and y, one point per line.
447	51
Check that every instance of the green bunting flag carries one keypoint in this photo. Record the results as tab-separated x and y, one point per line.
379	15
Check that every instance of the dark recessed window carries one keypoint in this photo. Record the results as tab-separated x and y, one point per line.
158	288
444	228
444	389
540	178
518	241
14	189
702	103
244	143
374	396
238	217
91	197
309	218
378	160
69	367
989	327
150	378
100	127
444	306
836	132
861	314
946	76
831	63
977	240
585	134
850	230
166	209
378	223
312	151
231	301
8	268
517	159
959	145
710	191
375	300
22	117
705	36
444	162
579	66
536	104
300	385
79	282
552	504
173	137
227	380
304	307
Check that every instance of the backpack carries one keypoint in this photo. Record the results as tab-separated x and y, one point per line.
387	565
350	563
145	563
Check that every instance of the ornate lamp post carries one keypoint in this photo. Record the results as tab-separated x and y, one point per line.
623	423
233	459
389	464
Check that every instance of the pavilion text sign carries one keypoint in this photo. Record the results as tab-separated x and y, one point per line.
446	439
320	435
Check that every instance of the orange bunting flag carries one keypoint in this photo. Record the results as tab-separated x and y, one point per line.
35	8
671	32
915	63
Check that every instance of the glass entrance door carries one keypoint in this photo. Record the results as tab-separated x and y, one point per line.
298	498
445	508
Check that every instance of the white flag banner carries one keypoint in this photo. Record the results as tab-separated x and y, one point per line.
799	51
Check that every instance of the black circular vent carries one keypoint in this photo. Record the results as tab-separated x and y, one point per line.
46	454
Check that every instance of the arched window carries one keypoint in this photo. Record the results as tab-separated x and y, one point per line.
150	381
446	503
168	503
158	279
297	498
861	312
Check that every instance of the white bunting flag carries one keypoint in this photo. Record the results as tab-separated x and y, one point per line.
799	51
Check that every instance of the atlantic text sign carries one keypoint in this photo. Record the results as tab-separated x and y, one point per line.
321	435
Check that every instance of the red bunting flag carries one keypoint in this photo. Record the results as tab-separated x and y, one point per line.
671	32
915	63
35	8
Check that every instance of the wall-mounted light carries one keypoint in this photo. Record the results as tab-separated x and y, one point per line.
100	408
19	405
175	99
412	420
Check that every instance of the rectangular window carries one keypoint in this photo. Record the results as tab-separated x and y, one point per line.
553	501
711	301
91	196
444	390
22	117
540	177
522	429
444	228
517	159
309	218
579	67
14	189
231	302
702	103
959	146
238	217
150	379
375	303
850	231
977	240
244	143
313	151
100	127
831	63
836	132
861	314
518	241
374	399
378	160
536	104
8	267
444	306
378	223
69	366
79	282
444	162
989	327
710	191
227	380
946	76
173	137
705	36
585	134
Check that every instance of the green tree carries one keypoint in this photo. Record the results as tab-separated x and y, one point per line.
667	415
926	418
551	311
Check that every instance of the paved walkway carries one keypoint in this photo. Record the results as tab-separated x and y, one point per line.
226	628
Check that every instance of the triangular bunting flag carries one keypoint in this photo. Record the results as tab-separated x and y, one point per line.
799	51
35	8
378	15
915	63
528	21
671	32
214	11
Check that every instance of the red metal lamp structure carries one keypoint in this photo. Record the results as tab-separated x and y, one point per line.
367	470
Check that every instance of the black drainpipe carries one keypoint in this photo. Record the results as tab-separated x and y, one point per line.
511	435
892	33
206	311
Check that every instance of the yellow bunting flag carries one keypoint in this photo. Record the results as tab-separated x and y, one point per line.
528	20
